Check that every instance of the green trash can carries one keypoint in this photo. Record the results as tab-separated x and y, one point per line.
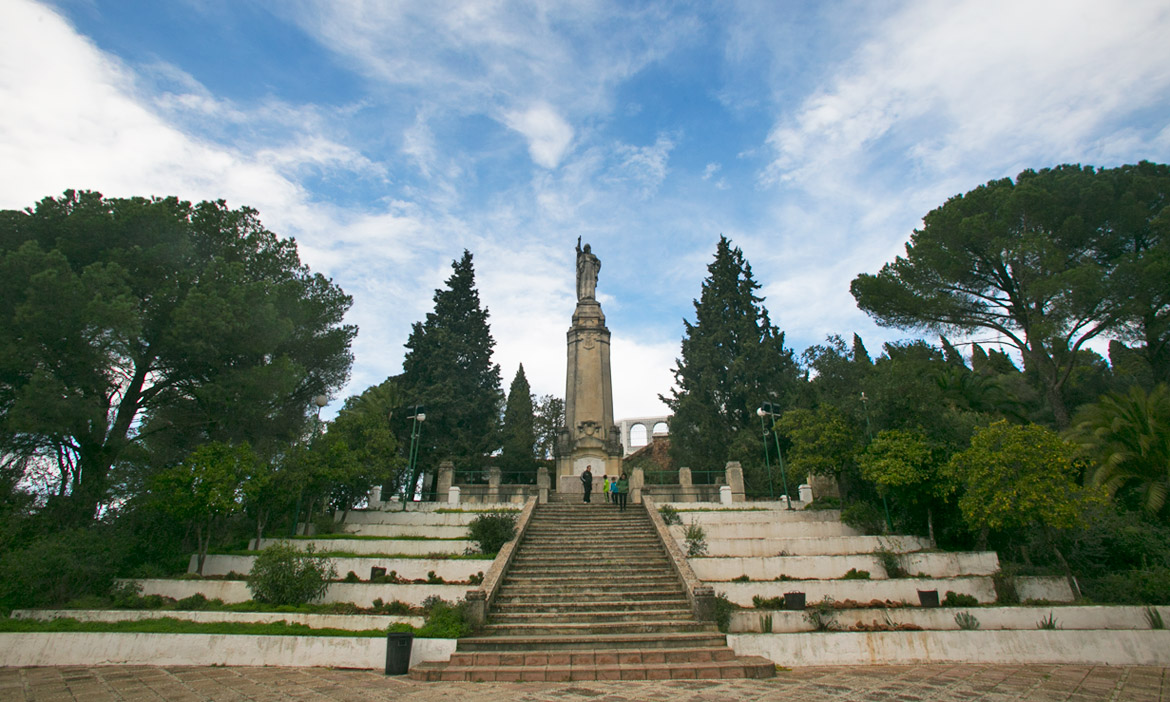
398	645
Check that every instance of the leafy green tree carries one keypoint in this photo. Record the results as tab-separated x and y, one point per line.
821	442
1137	254
283	575
548	421
1016	477
206	488
1127	437
1016	258
733	359
151	323
518	460
448	369
368	454
903	463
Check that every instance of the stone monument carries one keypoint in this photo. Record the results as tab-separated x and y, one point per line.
589	437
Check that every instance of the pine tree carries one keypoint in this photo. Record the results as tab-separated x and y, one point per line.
518	461
448	369
733	359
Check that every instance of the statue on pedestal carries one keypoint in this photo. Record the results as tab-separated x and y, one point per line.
588	266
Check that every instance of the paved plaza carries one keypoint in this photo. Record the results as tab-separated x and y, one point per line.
934	682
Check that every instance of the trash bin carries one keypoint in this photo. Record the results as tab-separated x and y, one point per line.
794	600
398	645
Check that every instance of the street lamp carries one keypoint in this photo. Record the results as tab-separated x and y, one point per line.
417	415
768	408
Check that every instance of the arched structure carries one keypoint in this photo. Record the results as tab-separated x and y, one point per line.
636	432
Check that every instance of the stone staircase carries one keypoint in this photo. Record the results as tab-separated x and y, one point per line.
591	595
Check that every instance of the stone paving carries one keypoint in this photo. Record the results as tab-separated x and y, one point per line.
907	682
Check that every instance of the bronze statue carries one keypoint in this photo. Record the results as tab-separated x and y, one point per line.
588	266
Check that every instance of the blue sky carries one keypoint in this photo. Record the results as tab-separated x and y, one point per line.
389	136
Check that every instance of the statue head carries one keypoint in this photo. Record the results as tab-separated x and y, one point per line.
587	249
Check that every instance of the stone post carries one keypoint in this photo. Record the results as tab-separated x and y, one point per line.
704	603
686	488
476	612
542	482
453	495
446	477
724	494
637	480
493	493
734	473
375	496
806	493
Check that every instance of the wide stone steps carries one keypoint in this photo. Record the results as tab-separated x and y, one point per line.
591	594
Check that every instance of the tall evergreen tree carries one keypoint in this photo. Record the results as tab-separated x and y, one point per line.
448	369
518	460
549	419
733	359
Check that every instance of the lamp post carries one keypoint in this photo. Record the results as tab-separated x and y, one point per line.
417	415
767	462
869	437
319	401
768	408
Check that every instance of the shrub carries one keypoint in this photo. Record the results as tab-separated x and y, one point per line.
741	579
1154	618
864	517
55	568
1005	588
283	575
124	594
444	620
1048	622
822	615
891	563
492	530
433	579
1132	587
351	577
195	602
669	515
476	579
767	602
954	599
696	539
855	574
824	502
722	610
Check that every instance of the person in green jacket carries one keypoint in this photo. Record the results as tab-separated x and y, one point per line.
623	489
605	489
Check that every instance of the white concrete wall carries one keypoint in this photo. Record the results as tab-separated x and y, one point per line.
761	505
20	650
827	546
943	618
1039	587
405	547
450	569
709	515
349	622
430	531
900	590
426	513
934	564
360	594
987	647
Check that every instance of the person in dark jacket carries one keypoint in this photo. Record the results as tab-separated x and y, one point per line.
587	481
623	489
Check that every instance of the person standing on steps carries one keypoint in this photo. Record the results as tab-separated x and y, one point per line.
623	489
613	490
587	482
605	487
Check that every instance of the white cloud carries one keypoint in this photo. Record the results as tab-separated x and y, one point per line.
643	167
548	134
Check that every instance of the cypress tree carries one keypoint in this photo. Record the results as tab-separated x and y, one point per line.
518	461
733	359
448	369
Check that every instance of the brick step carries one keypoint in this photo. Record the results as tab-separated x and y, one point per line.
600	567
592	657
592	616
747	667
605	605
566	590
575	629
610	543
588	642
542	547
522	598
599	578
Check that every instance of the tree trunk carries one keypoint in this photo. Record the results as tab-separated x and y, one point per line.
930	525
201	540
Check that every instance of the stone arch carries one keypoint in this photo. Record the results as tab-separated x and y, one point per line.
660	428
638	436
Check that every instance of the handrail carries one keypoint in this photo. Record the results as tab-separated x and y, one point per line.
481	598
700	595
